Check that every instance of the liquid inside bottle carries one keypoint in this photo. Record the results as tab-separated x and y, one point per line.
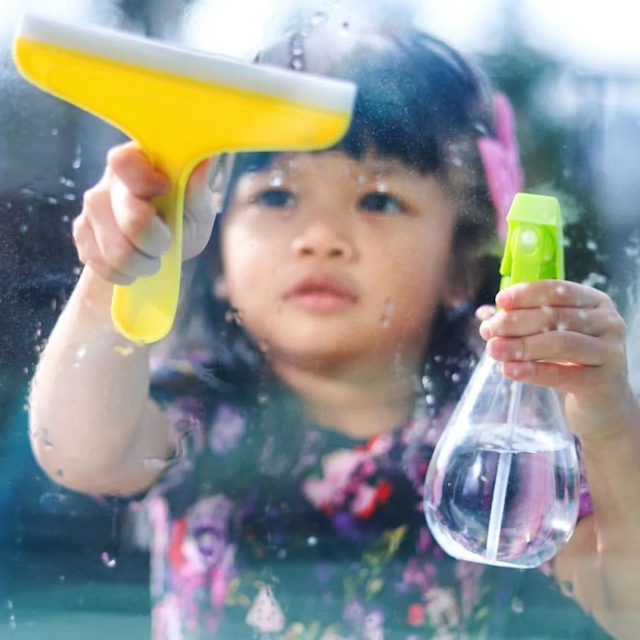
503	484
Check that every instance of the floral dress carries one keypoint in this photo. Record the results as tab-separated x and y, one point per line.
332	546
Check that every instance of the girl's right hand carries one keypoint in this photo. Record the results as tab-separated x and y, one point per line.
119	233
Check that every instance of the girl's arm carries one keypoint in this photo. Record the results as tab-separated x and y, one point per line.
93	427
539	326
600	566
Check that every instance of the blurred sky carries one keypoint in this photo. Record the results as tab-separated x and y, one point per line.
586	33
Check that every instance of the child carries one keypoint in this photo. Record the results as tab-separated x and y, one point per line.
325	336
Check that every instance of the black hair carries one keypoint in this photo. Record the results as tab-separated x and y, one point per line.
418	102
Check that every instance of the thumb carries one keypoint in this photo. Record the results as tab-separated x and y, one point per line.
199	210
198	195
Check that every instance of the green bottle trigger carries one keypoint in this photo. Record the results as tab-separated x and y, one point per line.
534	249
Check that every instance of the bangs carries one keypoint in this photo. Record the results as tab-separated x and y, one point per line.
418	102
415	95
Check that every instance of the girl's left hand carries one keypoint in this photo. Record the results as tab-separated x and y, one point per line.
569	337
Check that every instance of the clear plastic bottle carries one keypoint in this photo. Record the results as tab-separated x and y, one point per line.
503	485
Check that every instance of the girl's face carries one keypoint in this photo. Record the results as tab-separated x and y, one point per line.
337	264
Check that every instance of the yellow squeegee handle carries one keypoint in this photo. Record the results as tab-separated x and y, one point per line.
151	301
180	107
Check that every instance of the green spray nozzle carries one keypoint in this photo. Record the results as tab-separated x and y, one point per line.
535	248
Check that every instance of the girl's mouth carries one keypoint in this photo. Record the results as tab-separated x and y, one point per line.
321	293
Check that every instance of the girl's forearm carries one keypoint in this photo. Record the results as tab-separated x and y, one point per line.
608	564
612	465
90	392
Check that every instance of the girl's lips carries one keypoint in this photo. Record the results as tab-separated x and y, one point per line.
321	293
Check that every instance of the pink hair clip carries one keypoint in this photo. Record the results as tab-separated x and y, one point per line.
501	160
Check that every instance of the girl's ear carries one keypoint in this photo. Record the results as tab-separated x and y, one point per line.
220	288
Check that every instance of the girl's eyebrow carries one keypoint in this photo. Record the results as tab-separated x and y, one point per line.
389	168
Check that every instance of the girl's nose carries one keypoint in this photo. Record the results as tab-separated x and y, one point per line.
323	239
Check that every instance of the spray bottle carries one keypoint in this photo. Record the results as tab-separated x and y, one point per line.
503	484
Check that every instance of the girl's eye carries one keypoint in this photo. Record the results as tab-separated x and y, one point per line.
381	203
276	198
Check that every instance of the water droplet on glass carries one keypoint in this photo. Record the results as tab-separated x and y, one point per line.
12	621
592	245
594	279
82	352
233	316
382	187
54	131
387	314
297	64
262	397
297	46
264	346
155	463
561	289
562	326
65	219
67	182
69	196
52	200
77	161
318	18
24	228
108	560
361	179
455	377
276	178
52	502
517	605
124	351
344	29
282	554
312	541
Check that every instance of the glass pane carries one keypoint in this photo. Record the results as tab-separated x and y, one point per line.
272	487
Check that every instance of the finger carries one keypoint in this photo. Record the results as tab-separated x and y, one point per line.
115	248
139	222
130	165
558	346
90	254
564	378
559	293
485	312
594	322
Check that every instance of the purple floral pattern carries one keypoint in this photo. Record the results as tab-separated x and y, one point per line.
344	553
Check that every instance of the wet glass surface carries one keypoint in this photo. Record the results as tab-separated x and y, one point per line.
72	565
